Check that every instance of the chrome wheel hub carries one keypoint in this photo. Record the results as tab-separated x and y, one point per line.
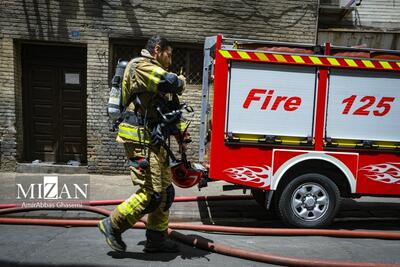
310	201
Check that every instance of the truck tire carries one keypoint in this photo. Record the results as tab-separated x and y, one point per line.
309	201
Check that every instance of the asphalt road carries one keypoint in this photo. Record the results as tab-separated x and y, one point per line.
80	246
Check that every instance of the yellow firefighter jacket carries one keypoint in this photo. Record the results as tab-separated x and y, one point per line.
144	78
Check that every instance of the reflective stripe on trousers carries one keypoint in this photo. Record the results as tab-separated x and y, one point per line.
154	179
131	210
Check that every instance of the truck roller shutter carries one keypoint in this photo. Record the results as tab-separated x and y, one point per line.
271	100
363	105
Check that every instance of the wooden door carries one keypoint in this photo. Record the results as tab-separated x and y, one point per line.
54	79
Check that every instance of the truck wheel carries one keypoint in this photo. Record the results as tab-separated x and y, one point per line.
309	201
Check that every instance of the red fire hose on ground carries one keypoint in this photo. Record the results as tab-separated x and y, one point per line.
176	199
211	246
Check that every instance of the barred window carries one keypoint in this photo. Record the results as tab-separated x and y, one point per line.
185	60
189	62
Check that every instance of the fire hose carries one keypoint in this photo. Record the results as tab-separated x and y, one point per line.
176	199
211	246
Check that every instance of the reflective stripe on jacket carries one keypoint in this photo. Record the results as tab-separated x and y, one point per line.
182	125
133	133
145	78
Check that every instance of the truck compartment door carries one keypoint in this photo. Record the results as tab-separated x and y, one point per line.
270	100
363	105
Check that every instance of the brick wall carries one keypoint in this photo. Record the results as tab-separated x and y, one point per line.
97	22
7	105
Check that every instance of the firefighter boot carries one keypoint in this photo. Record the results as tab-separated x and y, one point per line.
158	242
113	236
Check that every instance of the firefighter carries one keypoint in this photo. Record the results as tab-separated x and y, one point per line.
146	85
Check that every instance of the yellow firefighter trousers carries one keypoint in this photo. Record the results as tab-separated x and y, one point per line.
155	179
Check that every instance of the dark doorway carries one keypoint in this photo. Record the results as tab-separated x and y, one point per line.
54	96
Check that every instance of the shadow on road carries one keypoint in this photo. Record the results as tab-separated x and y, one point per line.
4	263
186	253
354	214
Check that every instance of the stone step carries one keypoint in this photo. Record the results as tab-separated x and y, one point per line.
50	168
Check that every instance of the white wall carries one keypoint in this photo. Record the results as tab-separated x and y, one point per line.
384	14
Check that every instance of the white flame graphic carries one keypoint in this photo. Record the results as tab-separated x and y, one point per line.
388	173
255	174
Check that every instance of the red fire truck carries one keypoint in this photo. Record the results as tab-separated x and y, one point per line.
303	126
